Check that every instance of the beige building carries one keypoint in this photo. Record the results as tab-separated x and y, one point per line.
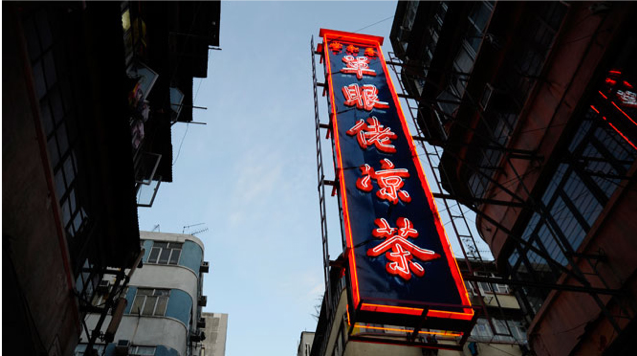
164	302
216	329
305	344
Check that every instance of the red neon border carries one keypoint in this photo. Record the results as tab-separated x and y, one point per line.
613	126
451	262
424	332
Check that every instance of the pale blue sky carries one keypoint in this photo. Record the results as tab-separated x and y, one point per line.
250	173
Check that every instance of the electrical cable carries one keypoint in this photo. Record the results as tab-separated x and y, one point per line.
182	143
187	124
375	23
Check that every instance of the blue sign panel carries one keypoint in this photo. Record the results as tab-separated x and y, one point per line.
400	260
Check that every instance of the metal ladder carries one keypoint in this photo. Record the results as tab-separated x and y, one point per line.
321	185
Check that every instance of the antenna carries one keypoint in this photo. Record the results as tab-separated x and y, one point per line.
189	226
199	231
156	228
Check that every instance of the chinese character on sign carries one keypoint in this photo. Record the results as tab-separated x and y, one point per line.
628	98
358	65
373	133
389	179
365	97
351	49
369	52
336	47
399	250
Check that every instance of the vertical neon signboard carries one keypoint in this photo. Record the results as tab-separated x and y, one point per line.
400	260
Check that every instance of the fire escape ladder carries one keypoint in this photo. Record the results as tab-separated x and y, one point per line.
321	184
534	205
458	220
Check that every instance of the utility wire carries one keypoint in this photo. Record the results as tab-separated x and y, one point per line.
375	23
187	124
182	143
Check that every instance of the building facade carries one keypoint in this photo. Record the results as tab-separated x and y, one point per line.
499	330
164	301
86	135
216	331
305	343
534	106
332	336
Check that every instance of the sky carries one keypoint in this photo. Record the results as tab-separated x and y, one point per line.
249	174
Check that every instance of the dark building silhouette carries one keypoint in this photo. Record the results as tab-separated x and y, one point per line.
534	106
91	90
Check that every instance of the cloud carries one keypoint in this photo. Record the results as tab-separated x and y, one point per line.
257	175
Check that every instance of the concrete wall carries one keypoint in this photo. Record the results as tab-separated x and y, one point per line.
167	277
369	349
305	344
357	348
164	236
165	331
353	348
216	331
184	276
168	334
179	305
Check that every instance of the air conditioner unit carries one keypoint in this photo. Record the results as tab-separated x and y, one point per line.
197	336
205	267
103	287
201	323
203	301
122	348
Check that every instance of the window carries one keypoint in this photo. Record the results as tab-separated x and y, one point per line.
87	280
410	15
54	84
505	331
101	293
486	287
165	253
150	302
482	330
477	22
141	350
469	287
513	258
576	195
80	350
